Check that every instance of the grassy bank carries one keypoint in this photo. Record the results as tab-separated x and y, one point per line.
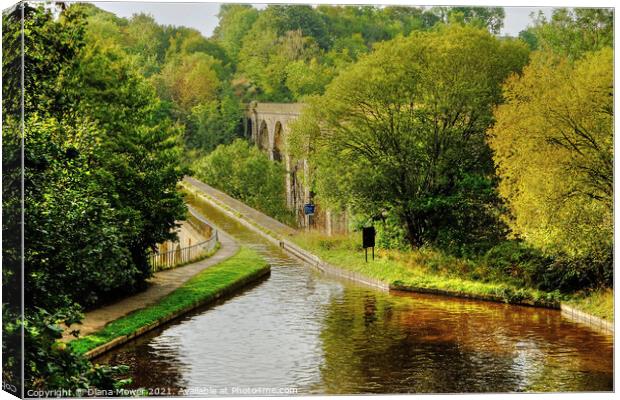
202	288
430	271
599	303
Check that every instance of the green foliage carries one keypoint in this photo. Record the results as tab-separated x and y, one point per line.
189	80
424	270
289	18
407	125
468	216
235	21
101	167
290	52
515	261
491	18
247	174
53	365
572	32
391	234
214	123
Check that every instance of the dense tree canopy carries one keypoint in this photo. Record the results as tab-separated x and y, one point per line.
247	174
407	125
572	32
553	144
406	120
101	165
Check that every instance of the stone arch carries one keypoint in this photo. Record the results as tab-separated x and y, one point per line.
262	137
278	142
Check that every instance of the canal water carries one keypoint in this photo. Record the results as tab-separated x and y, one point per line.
299	330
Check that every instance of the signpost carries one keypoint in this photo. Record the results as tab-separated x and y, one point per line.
309	209
368	240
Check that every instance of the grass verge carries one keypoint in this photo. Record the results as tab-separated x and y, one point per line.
429	271
204	287
599	303
424	270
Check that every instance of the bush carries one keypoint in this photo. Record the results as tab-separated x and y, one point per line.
247	174
391	234
523	265
569	274
50	364
515	261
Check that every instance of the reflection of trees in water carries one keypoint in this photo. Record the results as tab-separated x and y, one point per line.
152	364
379	343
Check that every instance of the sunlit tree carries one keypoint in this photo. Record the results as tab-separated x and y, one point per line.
553	146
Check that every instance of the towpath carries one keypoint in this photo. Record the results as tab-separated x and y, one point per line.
161	284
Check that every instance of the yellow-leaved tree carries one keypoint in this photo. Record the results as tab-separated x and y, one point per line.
553	148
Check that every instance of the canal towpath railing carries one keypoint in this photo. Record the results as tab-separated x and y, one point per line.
163	260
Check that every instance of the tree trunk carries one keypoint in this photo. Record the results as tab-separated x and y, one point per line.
414	230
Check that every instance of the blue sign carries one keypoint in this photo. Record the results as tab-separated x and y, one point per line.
309	209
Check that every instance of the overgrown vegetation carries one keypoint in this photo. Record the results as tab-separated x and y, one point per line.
508	273
407	125
491	157
428	269
516	179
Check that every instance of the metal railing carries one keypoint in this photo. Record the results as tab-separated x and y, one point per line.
160	261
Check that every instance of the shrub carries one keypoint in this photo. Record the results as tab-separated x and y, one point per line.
247	174
517	262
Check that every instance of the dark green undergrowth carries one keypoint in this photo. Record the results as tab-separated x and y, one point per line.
201	288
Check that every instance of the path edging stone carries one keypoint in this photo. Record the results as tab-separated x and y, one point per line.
253	277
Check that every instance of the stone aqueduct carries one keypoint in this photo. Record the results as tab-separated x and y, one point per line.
267	125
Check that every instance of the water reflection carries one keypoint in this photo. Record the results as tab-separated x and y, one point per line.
422	343
301	329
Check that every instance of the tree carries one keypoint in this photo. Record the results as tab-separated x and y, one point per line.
286	18
553	146
265	57
247	174
235	20
184	41
189	80
142	148
491	18
213	123
572	32
68	225
145	39
406	124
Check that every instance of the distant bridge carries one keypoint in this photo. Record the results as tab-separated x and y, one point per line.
268	123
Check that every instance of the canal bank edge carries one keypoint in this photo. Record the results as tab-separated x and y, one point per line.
221	271
571	313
